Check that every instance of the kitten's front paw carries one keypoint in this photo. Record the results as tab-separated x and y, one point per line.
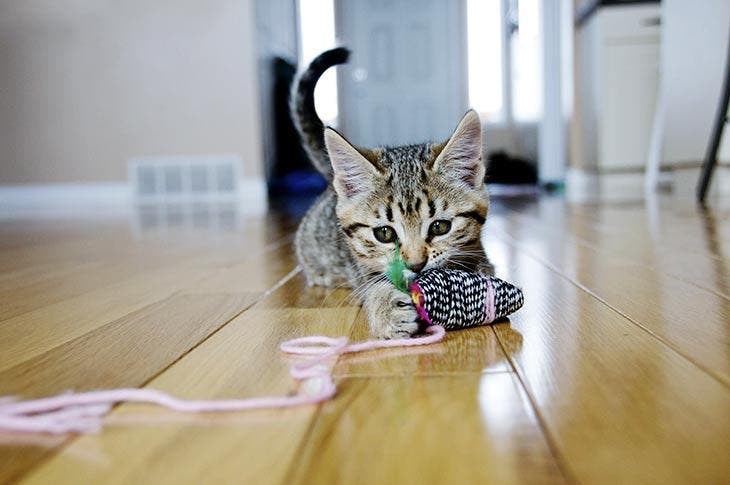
391	313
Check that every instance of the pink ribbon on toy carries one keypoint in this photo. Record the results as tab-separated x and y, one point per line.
83	412
419	301
489	309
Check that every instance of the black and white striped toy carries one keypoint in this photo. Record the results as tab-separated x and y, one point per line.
455	298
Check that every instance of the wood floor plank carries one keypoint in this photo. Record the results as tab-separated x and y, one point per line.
620	405
611	373
88	246
450	429
280	435
97	241
28	233
34	273
472	351
680	225
126	352
634	243
141	343
33	333
84	277
145	445
249	274
692	320
29	288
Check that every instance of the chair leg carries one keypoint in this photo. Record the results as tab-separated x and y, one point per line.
721	119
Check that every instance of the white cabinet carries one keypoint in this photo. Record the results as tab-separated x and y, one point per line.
616	86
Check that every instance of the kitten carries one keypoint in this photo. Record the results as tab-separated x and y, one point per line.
428	199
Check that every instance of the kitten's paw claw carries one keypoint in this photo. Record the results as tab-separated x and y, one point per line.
391	314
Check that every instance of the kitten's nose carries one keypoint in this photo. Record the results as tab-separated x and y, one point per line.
416	267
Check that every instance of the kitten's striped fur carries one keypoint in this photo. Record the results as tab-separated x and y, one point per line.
406	188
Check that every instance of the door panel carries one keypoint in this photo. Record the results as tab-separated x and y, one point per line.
406	80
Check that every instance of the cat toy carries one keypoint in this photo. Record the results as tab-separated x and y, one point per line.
83	412
453	298
444	299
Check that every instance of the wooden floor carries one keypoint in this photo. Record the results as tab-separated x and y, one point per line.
617	369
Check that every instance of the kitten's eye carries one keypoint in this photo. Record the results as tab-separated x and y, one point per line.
439	228
385	234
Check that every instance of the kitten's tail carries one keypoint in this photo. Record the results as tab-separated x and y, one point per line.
304	114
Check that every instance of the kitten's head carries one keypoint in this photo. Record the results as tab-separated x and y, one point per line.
428	199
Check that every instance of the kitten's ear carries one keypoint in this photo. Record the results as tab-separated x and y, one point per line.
353	173
461	158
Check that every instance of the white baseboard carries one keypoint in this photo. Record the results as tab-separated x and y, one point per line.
590	186
587	186
105	199
685	182
64	199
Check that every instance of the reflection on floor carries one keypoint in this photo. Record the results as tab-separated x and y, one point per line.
163	217
617	369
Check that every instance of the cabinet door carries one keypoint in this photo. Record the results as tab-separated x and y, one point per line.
629	98
406	79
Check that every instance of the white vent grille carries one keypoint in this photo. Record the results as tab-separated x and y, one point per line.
165	179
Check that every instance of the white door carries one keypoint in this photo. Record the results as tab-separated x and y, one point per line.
406	79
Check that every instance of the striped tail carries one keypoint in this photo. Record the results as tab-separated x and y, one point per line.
304	114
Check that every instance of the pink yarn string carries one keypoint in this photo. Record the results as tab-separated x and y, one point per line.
83	412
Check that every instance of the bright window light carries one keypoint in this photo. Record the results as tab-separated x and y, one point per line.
484	47
317	31
527	63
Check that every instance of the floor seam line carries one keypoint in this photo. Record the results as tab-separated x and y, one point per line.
587	244
55	451
643	328
560	460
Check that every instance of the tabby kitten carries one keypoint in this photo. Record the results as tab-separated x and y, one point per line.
428	200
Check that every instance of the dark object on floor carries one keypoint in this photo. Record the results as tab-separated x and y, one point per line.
298	182
554	187
502	168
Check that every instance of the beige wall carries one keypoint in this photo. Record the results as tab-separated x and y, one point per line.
87	84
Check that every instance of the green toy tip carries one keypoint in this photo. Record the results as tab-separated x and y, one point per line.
396	269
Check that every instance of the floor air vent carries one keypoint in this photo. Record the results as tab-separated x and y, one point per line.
165	179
